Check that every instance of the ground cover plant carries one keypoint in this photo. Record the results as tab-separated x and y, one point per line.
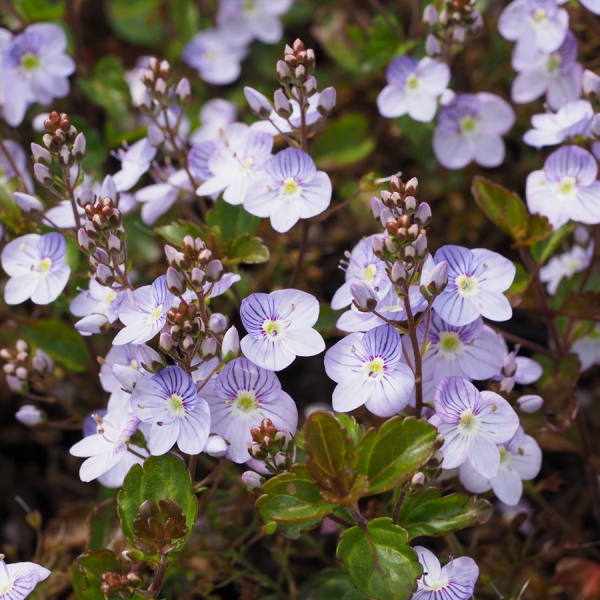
300	299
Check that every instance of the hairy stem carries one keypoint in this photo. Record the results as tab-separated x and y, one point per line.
412	332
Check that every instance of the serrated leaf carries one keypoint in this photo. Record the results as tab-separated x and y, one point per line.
353	428
232	220
379	561
424	512
394	453
246	250
87	573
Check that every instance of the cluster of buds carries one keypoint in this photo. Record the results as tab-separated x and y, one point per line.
62	144
271	446
102	240
116	585
25	371
187	331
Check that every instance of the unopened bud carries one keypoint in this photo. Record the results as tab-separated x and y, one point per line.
79	147
166	343
214	271
398	273
230	347
114	245
363	297
530	403
155	136
423	215
283	73
22	346
198	278
259	104
65	158
42	363
188	343
175	258
252	480
282	105
152	361
217	323
310	86
300	73
30	415
327	101
160	87
43	174
418	479
433	47
208	347
410	205
433	283
40	154
104	275
420	245
183	91
377	244
430	15
22	373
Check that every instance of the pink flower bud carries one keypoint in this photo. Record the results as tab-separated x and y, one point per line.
214	271
208	348
363	297
423	215
327	101
282	105
530	403
43	174
230	347
398	273
175	282
40	154
105	276
430	15
79	147
432	45
30	415
183	91
310	86
259	104
283	73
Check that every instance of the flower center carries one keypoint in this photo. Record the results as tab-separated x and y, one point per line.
468	421
567	186
175	405
44	265
374	368
133	364
29	61
553	63
6	586
369	272
155	314
538	17
468	125
436	586
290	187
411	84
505	455
247	164
466	285
110	298
273	329
450	343
246	401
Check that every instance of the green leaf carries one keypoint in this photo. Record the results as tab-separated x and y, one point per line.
40	10
384	45
327	585
394	453
293	502
232	220
87	573
161	478
378	560
60	341
186	18
175	232
247	250
353	428
425	513
104	525
542	251
137	21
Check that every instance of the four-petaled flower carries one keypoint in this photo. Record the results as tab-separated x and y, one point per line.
18	579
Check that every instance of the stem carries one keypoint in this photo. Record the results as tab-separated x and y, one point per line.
358	517
412	332
159	575
415	18
301	253
71	194
340	521
12	163
399	503
392	323
192	465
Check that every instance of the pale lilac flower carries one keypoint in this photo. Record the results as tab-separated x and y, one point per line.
169	402
454	581
590	82
108	446
571	120
587	348
215	115
290	189
413	87
34	68
135	161
470	127
592	5
35	264
472	423
516	369
557	74
530	403
215	56
567	188
18	160
536	23
279	327
362	266
243	21
476	280
520	460
240	397
145	313
566	265
368	370
29	415
98	300
236	166
275	124
137	89
127	355
26	202
18	580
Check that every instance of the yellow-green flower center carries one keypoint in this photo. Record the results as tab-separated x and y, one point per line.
466	285
411	83
504	454
273	329
247	164
175	405
246	401
449	342
29	61
539	17
369	272
44	265
467	420
155	314
553	63
290	187
468	125
374	368
567	186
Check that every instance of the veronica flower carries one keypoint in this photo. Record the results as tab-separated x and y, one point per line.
215	115
557	74
275	124
35	264
215	55
291	189
362	265
413	87
520	460
566	265
476	280
135	161
99	300
571	120
592	5
236	166
279	327
127	355
454	581
516	369
145	313
169	402
566	189
368	370
472	423
587	348
18	580
240	397
537	23
35	68
469	128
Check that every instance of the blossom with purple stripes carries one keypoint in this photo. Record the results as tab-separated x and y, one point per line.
454	581
36	266
97	300
169	402
215	115
472	423
470	127
476	280
290	189
566	188
413	87
240	397
520	460
279	327
18	580
145	313
565	265
135	161
368	370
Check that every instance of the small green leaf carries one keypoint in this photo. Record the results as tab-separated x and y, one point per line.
232	220
354	429
137	21
186	18
394	453
247	250
87	573
104	525
329	584
379	561
175	232
60	341
40	10
542	251
425	513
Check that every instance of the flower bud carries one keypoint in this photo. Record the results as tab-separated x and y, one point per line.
530	403
591	83
27	203
65	158
252	480
42	363
166	343
459	34
230	346
198	278
30	415
40	154
160	87
155	136
409	254
43	174
104	275
114	244
217	323
9	369
214	271
423	215
126	376
146	101
152	361
430	15
418	479
175	282
175	258
188	343
282	105
433	47
215	446
22	373
410	205
183	91
509	368
420	245
208	347
259	104
433	284
398	274
22	346
93	324
363	297
581	235
79	147
327	101
507	385
300	73
377	244
283	73
284	438
310	86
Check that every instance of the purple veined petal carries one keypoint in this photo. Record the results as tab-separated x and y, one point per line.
508	486
453	396
565	88
194	429
421	107
285	216
528	370
298	308
473	481
455	446
483	454
455	309
20	288
384	342
542	200
198	159
571	161
255	310
434	75
452	149
343	358
551	35
305	342
241	374
511	23
399	69
282	412
488	150
529	86
525	455
19	256
497	116
586	207
492	270
316	196
25	575
497	417
114	477
392	102
353	391
163	438
291	163
262	198
52	245
431	565
95	466
485	355
353	321
463	572
266	354
393	392
51	285
492	305
222	285
460	260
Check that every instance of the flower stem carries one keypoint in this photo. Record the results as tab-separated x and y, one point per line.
412	332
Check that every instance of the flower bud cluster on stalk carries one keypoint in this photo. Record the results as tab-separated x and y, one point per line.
26	371
272	447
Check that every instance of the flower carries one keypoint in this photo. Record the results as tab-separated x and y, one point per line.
557	74
476	280
35	264
279	327
18	579
520	460
534	23
587	348
469	128
98	300
35	68
413	87
454	581
368	370
472	424
573	119
592	5
530	403
274	124
127	355
29	415
516	369
170	403
565	265
135	161
240	397
291	189
144	313
215	115
566	189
